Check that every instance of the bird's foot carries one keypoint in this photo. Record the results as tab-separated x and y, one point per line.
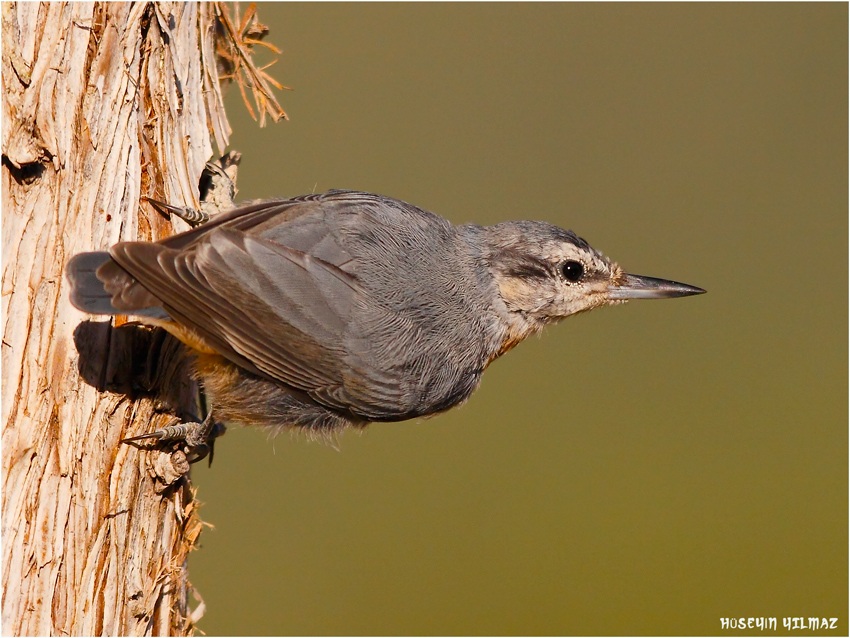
199	438
191	216
217	189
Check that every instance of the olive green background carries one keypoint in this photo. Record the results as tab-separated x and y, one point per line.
645	469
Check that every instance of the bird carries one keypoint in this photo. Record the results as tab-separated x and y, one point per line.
333	310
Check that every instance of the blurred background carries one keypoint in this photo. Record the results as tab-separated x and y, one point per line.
646	469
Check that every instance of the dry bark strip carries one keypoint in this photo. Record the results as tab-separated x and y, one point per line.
103	103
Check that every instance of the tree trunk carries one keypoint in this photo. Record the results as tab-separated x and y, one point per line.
103	103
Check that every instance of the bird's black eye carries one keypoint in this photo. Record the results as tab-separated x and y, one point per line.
572	270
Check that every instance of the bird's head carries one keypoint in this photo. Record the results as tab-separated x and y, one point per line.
544	273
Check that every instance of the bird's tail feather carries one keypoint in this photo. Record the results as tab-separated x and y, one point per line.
88	292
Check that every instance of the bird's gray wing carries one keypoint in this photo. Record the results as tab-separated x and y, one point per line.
270	308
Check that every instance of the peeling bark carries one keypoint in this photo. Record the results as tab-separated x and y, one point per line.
103	103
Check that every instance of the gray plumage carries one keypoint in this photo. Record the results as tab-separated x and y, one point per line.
342	308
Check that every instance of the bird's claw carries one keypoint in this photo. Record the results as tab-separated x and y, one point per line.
199	438
191	216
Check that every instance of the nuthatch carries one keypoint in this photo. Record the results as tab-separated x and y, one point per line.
333	310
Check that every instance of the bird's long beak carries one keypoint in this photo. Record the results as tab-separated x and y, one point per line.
639	287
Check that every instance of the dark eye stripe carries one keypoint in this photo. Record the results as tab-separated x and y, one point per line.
523	266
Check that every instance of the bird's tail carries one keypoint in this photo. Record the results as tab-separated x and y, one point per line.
87	291
88	274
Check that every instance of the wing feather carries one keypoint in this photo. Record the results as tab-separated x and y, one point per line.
270	308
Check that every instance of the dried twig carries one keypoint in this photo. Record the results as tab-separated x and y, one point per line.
235	50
